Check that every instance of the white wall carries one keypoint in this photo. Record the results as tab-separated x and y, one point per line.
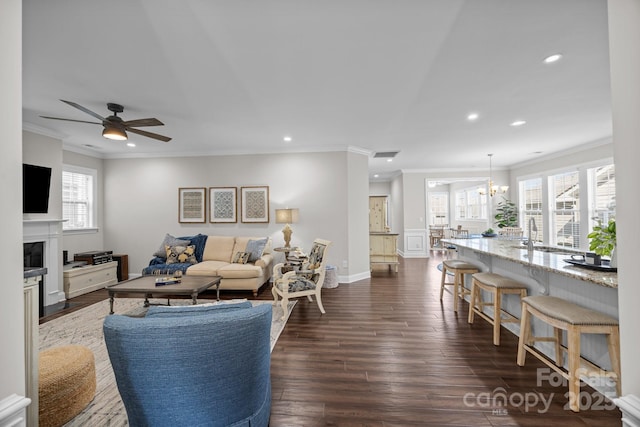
358	216
12	368
141	201
379	188
624	34
588	153
397	209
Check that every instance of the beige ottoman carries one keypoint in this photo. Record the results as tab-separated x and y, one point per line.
67	383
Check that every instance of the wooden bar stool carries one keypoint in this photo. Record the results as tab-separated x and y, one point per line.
567	316
498	286
459	269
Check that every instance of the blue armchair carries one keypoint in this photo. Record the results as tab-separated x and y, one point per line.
193	365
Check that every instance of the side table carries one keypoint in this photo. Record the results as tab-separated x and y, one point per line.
288	266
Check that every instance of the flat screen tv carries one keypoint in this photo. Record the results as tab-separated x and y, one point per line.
36	182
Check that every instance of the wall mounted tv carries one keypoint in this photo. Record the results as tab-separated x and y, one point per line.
36	182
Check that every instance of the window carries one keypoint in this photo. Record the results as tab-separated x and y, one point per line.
438	208
470	204
78	202
565	209
531	207
572	200
602	195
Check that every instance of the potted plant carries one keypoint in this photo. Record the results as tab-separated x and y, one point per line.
603	240
489	233
507	215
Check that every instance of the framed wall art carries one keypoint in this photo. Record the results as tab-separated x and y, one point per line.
223	204
255	204
192	205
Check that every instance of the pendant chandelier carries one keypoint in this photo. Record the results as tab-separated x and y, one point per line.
493	189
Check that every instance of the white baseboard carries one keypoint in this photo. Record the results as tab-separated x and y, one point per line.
354	277
13	411
630	407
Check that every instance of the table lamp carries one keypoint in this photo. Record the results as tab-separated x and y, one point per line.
286	216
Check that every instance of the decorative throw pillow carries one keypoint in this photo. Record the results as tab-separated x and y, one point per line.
199	240
181	254
169	240
241	258
255	248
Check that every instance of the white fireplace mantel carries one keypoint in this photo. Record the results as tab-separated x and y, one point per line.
48	231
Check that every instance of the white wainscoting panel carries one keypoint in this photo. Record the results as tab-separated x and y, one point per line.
415	244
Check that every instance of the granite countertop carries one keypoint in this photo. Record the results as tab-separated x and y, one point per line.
514	250
34	271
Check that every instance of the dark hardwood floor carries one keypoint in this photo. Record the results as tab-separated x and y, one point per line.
389	353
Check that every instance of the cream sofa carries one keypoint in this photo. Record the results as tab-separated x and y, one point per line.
217	258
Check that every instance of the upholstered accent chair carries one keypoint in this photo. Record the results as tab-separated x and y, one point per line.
305	281
202	365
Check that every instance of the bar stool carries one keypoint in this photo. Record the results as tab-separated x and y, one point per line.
567	316
498	286
459	269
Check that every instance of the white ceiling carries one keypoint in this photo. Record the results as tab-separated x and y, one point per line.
235	77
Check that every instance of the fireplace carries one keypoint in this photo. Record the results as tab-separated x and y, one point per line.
42	248
34	254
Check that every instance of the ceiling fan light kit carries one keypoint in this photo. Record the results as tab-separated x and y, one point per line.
114	127
115	133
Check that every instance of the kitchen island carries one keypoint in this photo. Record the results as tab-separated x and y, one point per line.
545	272
550	259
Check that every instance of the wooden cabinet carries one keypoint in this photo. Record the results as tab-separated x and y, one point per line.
81	280
378	221
383	249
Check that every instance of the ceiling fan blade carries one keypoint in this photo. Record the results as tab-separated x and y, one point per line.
70	120
149	134
81	108
143	122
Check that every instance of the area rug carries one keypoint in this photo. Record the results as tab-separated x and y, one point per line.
84	327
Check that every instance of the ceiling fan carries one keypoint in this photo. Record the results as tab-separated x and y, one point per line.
114	126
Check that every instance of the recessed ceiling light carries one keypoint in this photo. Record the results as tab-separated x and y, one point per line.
287	139
552	58
131	144
518	123
473	116
376	175
389	160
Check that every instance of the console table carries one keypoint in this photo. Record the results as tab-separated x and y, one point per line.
89	278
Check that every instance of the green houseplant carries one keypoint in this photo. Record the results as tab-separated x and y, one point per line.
603	238
507	214
489	233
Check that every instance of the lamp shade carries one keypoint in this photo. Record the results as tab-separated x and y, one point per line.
114	132
286	216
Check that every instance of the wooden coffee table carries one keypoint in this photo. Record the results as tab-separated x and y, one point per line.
146	285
